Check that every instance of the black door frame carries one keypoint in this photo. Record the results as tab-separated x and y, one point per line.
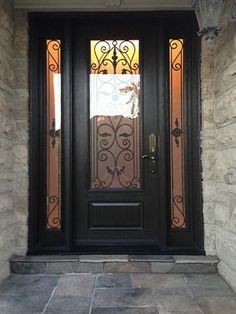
57	25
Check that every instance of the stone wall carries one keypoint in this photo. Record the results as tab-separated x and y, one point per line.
13	134
219	149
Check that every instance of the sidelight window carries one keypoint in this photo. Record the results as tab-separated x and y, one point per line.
53	93
177	123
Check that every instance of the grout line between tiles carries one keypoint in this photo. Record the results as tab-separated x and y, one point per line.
53	292
93	292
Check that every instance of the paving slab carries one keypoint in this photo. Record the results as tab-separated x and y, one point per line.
68	305
24	303
195	259
162	268
61	267
218	305
111	293
76	285
151	258
129	267
103	258
20	285
23	294
123	297
28	268
208	285
178	304
173	281
90	267
124	310
114	281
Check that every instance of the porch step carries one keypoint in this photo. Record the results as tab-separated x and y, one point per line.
61	264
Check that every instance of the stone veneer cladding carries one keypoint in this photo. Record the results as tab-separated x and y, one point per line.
218	142
13	134
219	149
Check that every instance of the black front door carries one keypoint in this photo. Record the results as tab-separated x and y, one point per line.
115	116
118	173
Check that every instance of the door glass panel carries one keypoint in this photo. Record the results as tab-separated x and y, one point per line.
53	66
115	114
176	72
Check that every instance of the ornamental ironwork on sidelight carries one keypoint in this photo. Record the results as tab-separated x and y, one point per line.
53	91
114	114
176	72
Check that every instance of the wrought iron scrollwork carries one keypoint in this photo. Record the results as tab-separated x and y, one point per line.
53	45
176	44
176	68
177	132
178	218
53	217
120	55
53	66
114	150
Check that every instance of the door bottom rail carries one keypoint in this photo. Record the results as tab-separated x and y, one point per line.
61	264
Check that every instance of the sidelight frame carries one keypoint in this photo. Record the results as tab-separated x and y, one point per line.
58	25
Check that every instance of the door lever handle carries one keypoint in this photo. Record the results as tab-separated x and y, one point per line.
151	157
152	153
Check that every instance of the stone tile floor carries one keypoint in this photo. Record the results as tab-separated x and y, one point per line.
116	293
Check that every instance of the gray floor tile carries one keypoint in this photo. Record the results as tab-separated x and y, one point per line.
123	297
68	305
76	285
173	281
114	281
27	284
24	303
208	285
124	310
178	304
218	305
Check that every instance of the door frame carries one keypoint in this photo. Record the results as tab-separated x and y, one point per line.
57	25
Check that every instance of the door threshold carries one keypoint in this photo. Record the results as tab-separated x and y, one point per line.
59	264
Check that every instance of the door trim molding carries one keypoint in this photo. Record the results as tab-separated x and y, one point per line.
102	5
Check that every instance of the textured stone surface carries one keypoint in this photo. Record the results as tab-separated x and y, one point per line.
116	293
131	267
114	281
13	139
124	297
219	149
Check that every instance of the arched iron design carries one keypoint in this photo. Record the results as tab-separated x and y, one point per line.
113	56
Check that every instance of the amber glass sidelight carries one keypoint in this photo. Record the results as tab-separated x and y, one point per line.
53	66
115	114
176	73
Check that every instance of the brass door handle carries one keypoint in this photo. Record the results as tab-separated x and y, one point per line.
150	157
